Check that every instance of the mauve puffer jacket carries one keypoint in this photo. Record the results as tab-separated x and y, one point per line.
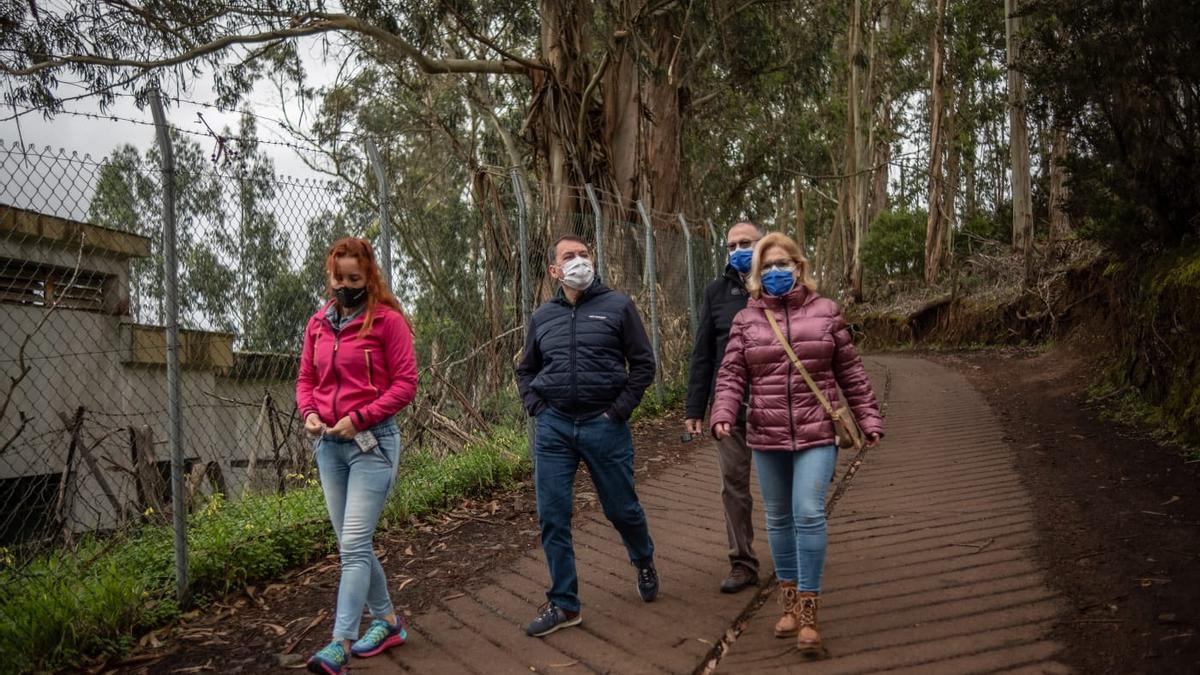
784	414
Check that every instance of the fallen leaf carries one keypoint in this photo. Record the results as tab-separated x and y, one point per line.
568	664
404	584
150	640
312	624
1172	500
280	631
408	551
195	669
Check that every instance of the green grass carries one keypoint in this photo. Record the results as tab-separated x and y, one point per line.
1127	406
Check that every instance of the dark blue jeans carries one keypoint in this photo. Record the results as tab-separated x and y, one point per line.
606	446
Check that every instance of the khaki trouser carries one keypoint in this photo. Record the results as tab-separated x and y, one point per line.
735	460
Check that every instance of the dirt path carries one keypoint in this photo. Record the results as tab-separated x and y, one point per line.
1118	516
1000	527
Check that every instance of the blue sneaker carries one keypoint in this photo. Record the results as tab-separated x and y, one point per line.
331	660
380	637
551	618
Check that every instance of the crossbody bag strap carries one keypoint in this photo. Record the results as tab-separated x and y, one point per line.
796	362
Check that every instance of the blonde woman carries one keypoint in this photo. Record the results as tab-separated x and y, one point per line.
791	435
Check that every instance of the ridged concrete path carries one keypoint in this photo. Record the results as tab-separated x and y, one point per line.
930	568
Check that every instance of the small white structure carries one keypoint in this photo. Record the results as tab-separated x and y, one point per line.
83	414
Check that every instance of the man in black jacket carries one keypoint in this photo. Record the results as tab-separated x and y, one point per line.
723	299
573	379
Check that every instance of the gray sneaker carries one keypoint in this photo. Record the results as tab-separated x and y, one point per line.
647	581
551	618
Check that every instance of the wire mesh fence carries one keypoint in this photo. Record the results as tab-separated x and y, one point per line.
83	348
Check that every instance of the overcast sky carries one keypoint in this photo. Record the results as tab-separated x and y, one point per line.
98	137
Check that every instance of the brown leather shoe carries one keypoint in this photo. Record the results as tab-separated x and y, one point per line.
788	623
808	637
739	579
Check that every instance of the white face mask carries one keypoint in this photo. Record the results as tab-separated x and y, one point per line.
578	273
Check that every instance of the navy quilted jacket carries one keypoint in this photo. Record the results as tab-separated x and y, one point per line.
585	359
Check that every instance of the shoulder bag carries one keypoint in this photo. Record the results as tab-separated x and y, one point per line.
844	426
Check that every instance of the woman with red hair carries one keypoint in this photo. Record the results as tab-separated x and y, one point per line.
357	371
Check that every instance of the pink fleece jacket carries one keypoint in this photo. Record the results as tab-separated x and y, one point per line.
369	377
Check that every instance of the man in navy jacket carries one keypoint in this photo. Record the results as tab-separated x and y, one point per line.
723	299
586	363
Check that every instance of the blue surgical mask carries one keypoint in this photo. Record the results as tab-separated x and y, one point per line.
740	259
778	282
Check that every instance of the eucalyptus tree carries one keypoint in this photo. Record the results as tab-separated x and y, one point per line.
605	86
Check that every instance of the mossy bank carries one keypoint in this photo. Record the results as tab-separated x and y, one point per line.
1139	317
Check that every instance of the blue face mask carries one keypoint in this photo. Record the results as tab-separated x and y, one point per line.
740	259
778	282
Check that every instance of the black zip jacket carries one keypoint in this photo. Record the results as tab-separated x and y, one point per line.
723	299
575	356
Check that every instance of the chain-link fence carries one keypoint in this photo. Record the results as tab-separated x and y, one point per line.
84	415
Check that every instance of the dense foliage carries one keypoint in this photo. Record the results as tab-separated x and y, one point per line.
1126	78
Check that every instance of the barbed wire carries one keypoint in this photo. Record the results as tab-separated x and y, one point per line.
208	134
49	153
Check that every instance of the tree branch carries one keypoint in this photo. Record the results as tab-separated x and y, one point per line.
587	94
533	65
317	23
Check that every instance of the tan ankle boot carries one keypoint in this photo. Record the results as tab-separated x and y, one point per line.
808	638
787	624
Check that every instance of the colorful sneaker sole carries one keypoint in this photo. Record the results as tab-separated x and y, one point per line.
322	668
559	626
391	641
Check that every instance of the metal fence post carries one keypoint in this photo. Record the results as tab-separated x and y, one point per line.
598	219
718	250
174	411
526	290
693	315
385	219
652	280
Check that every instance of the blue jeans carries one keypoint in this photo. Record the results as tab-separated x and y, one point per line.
356	486
606	446
793	488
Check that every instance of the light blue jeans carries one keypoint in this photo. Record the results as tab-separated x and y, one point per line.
356	486
793	488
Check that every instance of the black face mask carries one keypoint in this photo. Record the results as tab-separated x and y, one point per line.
349	298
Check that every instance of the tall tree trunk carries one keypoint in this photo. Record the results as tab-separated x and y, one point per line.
882	163
1022	205
883	131
798	232
1060	222
933	226
950	193
837	240
968	116
856	101
617	124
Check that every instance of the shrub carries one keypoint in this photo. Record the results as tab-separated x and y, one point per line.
895	245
